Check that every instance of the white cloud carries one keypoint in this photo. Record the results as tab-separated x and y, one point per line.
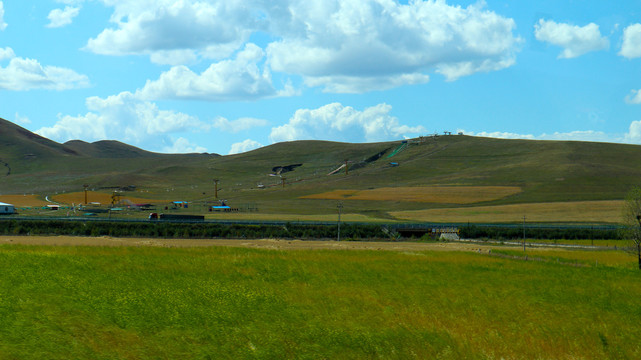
244	146
174	57
22	119
6	53
631	47
346	46
634	133
343	123
238	125
357	84
574	40
124	117
150	26
580	135
358	46
237	79
3	25
62	17
501	135
634	97
183	146
27	74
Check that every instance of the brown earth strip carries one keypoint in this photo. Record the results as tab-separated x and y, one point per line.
273	244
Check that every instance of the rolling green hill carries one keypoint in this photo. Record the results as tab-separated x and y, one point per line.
544	171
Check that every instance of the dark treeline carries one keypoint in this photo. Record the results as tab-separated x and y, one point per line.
515	232
287	231
188	230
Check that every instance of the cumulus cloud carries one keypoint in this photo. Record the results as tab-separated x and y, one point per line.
62	17
6	53
574	40
343	46
238	125
634	97
501	135
631	47
236	79
579	135
244	146
358	46
148	26
634	133
344	123
124	117
3	25
183	146
19	119
27	74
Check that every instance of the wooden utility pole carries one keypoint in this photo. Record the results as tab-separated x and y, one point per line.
282	179
85	186
216	188
523	233
340	207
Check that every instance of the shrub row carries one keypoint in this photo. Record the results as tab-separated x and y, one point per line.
187	230
512	233
287	231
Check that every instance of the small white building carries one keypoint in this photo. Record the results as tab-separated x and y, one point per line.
6	208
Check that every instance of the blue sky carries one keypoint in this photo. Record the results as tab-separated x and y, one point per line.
230	76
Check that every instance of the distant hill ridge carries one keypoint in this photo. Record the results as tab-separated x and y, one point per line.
16	141
545	171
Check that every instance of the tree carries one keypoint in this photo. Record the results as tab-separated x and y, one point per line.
632	220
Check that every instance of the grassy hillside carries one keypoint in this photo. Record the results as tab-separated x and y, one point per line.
540	171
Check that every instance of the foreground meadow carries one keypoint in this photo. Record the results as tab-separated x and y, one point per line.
228	302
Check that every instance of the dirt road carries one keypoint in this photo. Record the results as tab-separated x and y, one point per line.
262	243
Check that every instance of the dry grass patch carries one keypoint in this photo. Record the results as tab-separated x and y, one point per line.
23	200
427	194
332	195
578	211
94	196
292	217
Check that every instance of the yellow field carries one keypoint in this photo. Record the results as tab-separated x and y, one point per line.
579	211
94	196
23	200
292	217
427	194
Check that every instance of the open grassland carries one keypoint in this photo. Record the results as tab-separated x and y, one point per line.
146	302
617	258
575	211
428	194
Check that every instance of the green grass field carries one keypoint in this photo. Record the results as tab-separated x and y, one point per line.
233	303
